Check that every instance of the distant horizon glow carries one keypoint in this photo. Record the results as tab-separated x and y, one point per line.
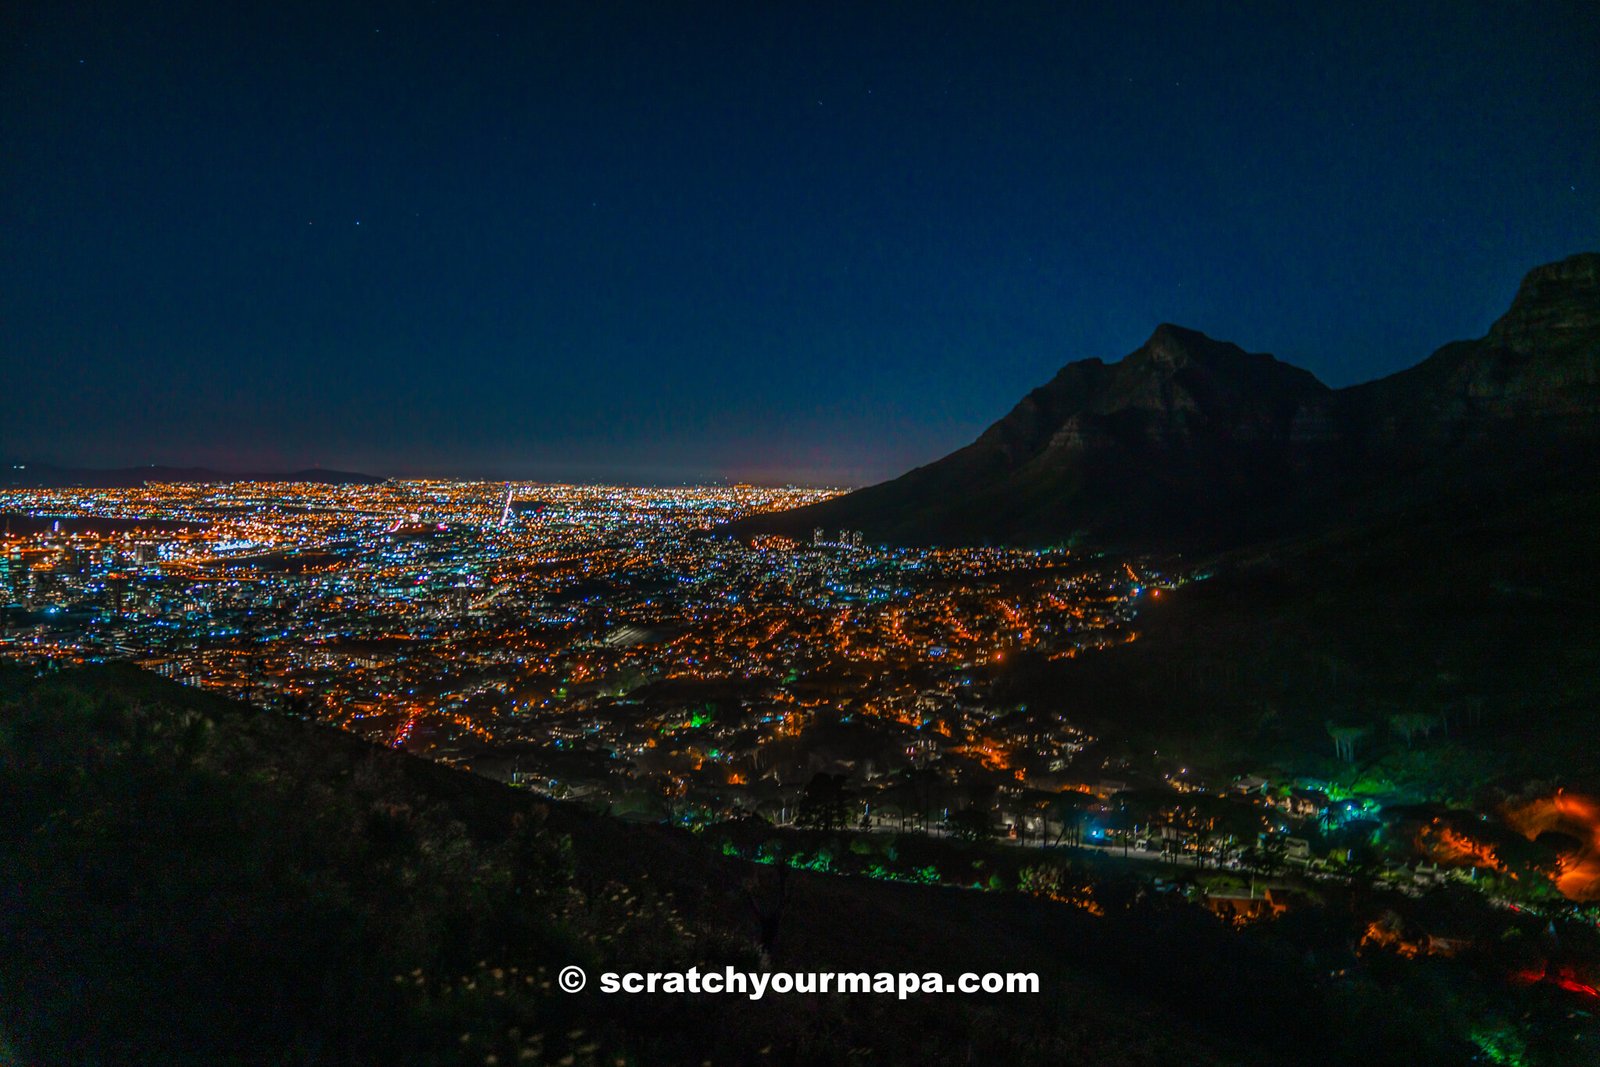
628	242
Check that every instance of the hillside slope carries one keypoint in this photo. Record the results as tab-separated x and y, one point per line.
189	881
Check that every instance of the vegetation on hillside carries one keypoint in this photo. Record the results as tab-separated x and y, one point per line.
1440	653
185	880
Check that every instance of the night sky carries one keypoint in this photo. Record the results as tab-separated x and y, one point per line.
820	242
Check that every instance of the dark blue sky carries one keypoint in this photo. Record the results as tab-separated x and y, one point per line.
670	240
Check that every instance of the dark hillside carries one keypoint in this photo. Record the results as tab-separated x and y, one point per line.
1485	619
189	881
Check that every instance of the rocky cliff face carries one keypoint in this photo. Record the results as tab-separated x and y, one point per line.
1539	362
1179	389
1189	441
1556	311
1184	433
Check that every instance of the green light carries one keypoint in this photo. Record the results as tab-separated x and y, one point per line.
1501	1046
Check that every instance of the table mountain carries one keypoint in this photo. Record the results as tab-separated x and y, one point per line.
1190	443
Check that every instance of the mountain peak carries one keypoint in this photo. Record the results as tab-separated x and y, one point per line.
1556	303
1171	332
1207	364
1194	443
1173	345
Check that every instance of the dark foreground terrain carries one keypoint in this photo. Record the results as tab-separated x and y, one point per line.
185	880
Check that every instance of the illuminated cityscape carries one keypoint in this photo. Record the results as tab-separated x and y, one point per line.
655	535
590	642
614	646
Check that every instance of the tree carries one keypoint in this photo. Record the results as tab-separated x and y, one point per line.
1119	823
1408	724
1344	739
825	804
1070	811
1264	857
970	824
916	789
667	794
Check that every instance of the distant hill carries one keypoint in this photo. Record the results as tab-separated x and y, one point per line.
46	476
1192	444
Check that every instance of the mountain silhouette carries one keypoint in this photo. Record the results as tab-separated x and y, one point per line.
1189	443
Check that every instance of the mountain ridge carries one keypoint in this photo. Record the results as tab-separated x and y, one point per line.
1191	443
